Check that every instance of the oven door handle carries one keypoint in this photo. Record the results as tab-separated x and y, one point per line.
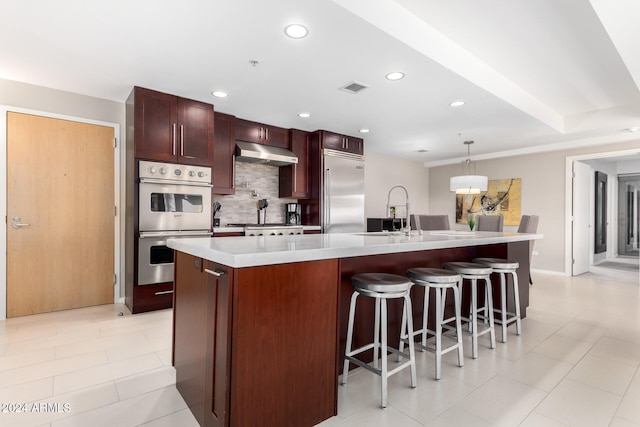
173	182
146	234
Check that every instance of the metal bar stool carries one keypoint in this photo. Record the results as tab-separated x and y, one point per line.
380	286
474	272
440	281
503	267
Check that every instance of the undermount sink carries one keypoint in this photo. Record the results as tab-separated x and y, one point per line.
380	233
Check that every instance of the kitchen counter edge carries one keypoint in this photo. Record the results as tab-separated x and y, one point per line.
251	251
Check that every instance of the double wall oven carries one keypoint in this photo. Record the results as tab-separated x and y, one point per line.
174	201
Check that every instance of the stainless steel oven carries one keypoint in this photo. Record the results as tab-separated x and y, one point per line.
174	197
174	201
155	259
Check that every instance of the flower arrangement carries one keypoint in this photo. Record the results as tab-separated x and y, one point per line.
472	222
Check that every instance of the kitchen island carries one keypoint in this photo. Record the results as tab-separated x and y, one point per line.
260	322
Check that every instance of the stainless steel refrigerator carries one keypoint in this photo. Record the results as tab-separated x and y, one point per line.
342	204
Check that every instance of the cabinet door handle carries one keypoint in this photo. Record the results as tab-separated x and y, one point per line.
164	292
173	132
266	132
215	273
182	140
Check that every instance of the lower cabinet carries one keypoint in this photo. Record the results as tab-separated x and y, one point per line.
257	345
145	298
201	338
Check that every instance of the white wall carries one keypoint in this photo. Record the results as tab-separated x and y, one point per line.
381	172
628	166
543	194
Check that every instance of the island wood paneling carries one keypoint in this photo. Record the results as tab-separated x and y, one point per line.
190	331
284	344
266	343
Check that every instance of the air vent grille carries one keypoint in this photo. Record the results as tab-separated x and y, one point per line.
354	87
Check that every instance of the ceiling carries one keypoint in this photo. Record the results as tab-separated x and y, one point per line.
534	74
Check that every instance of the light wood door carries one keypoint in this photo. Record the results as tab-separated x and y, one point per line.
60	181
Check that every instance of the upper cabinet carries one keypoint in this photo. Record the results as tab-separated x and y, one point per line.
172	129
261	133
223	156
339	142
294	179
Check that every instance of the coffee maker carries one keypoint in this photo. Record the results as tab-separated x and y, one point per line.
293	214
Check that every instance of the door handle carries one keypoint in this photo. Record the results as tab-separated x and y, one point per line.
17	224
215	273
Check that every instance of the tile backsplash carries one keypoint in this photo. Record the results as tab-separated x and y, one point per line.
252	179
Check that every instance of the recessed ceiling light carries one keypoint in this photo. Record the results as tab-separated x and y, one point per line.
396	75
219	94
296	31
456	104
304	115
364	130
633	129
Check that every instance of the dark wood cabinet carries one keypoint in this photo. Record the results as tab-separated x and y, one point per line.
218	341
339	142
191	330
241	326
168	128
228	234
201	339
294	179
223	156
143	298
262	134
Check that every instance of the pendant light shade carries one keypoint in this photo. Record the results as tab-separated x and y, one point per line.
468	184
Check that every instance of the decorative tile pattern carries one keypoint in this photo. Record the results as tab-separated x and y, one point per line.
253	182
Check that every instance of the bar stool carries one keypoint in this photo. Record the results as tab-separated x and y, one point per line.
440	281
503	267
474	272
381	286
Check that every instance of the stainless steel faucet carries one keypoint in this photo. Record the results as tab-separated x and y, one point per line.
407	226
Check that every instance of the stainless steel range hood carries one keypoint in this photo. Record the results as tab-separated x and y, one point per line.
258	153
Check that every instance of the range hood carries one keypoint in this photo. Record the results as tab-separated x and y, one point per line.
251	152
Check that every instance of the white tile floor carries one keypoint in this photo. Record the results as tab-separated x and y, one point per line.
576	364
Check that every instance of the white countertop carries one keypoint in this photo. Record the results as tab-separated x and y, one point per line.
250	251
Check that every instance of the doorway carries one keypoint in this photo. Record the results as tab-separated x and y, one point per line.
61	234
628	214
608	224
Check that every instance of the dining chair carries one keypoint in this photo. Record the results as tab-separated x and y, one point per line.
429	222
489	222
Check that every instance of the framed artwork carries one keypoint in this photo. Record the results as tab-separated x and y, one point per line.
502	197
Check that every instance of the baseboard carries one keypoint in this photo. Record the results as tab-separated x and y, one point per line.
549	272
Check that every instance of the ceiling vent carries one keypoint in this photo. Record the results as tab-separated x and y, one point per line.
354	87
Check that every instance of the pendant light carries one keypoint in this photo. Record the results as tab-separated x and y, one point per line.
468	184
